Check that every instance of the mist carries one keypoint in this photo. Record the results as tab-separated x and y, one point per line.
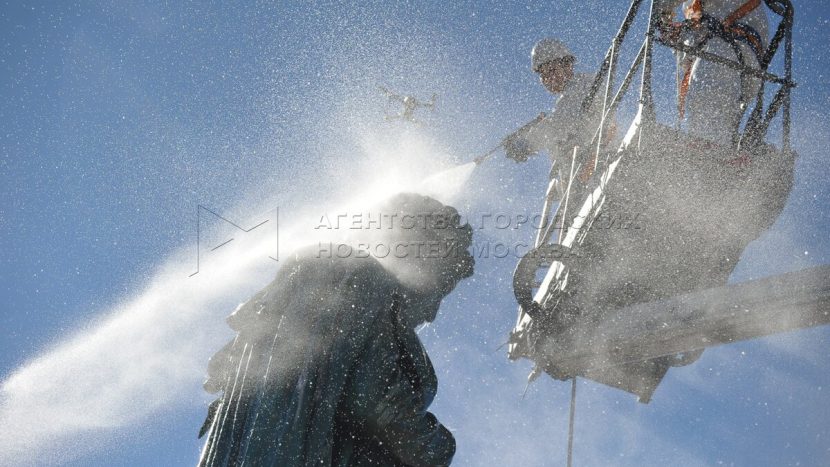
149	351
286	124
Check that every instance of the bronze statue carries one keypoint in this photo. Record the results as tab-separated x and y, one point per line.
326	368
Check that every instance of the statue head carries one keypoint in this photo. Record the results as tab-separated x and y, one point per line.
428	249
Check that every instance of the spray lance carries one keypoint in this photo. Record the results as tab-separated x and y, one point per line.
510	139
514	144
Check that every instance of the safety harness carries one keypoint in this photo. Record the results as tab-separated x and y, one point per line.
694	13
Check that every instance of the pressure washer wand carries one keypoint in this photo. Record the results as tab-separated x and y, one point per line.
478	160
521	131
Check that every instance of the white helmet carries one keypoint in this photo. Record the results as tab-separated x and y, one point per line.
548	50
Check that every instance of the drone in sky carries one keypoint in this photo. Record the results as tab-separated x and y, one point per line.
410	104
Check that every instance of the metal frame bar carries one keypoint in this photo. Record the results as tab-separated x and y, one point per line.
612	106
543	234
613	52
788	70
756	128
735	65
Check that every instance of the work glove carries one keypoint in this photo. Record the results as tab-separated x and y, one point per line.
517	145
517	148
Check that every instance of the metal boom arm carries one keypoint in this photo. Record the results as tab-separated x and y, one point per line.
703	319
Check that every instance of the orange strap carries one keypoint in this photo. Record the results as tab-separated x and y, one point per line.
694	11
739	13
755	42
742	11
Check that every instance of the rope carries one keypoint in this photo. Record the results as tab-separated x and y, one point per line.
571	423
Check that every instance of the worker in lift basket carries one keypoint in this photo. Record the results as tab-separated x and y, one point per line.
711	97
567	126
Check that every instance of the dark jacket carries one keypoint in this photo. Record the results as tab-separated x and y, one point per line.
322	372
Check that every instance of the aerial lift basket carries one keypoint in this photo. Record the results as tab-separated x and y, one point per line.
665	214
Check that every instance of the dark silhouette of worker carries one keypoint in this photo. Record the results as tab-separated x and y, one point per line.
326	368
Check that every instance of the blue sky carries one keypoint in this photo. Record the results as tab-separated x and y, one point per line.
118	120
